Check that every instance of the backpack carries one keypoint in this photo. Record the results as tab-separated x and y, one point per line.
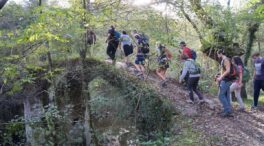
246	74
194	55
117	35
143	41
196	69
234	72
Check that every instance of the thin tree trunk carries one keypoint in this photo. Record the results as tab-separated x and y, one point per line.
89	132
250	37
33	111
244	91
2	3
252	29
27	116
201	13
228	3
259	47
193	23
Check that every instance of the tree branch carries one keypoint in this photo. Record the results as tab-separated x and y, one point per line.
192	23
201	14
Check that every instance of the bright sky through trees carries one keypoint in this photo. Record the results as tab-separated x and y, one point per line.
234	3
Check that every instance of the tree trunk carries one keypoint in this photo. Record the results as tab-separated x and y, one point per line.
228	3
218	36
87	126
201	14
193	23
89	131
259	46
244	91
27	116
2	3
252	29
33	111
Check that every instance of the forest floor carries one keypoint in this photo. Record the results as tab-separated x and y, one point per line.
244	129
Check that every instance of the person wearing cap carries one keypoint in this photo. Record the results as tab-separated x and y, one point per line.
185	50
186	53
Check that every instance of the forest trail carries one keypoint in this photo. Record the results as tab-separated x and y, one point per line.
244	129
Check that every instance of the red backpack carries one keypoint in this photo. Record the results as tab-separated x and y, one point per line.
234	71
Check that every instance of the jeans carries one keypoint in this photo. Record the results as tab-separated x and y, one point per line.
224	95
192	86
258	84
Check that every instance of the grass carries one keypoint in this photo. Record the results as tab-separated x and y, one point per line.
184	134
248	102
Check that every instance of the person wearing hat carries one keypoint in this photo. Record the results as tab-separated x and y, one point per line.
185	50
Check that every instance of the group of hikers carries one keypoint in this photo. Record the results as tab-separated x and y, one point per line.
231	78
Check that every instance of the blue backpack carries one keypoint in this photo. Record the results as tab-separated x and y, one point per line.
194	55
117	35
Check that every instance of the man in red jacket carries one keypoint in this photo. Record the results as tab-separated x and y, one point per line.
185	50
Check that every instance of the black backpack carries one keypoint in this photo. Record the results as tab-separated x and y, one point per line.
194	54
143	42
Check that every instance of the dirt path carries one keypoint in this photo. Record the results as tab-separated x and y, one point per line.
244	129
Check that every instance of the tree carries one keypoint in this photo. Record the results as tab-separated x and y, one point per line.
2	3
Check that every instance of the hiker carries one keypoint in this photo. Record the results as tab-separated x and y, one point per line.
185	50
224	80
126	44
194	75
142	42
164	56
237	84
113	42
139	63
258	77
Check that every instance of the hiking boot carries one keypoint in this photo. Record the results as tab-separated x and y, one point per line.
226	115
190	101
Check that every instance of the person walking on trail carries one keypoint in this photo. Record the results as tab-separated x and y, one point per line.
224	81
258	77
113	42
139	63
185	50
237	84
141	42
127	46
194	75
164	56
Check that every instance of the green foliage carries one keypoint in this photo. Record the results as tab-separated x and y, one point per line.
13	133
147	105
